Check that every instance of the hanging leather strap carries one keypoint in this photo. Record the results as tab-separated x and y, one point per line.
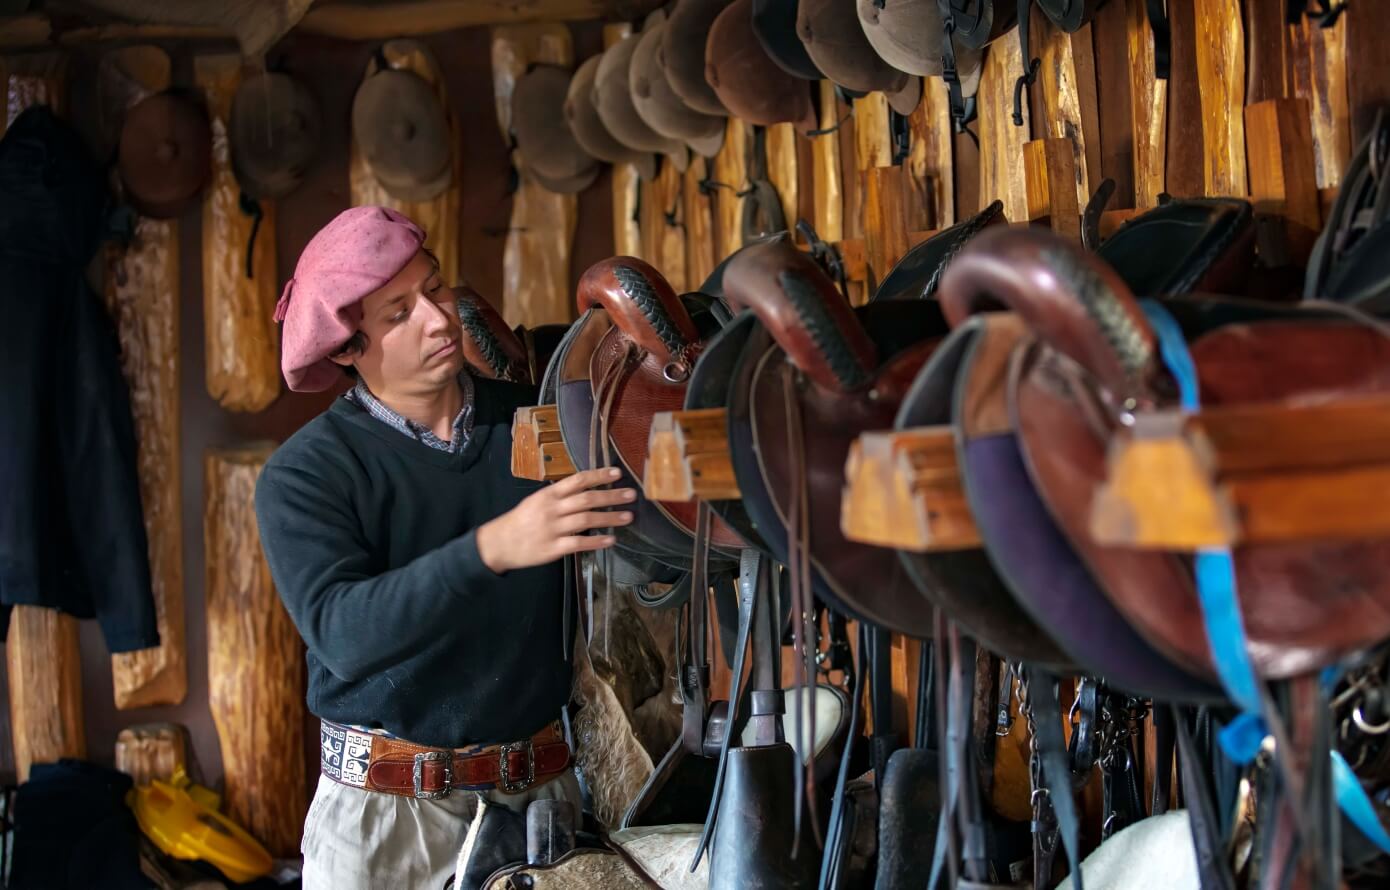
834	858
1158	23
749	570
1052	748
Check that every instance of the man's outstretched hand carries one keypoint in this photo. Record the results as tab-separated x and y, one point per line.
551	523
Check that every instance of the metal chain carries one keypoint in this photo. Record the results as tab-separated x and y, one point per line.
1043	818
1119	719
1004	722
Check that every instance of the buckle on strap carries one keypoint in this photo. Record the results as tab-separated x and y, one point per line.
505	780
418	774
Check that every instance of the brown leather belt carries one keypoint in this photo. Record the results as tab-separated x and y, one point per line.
394	766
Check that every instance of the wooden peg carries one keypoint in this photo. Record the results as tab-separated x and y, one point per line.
903	490
688	457
538	451
873	145
827	192
151	751
1049	169
885	220
1221	78
1248	474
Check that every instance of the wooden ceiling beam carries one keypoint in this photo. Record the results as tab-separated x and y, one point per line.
347	20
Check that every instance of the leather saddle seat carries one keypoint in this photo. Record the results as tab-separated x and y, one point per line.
812	375
1093	364
640	366
1025	594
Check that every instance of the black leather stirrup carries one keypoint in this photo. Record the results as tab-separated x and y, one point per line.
752	824
910	800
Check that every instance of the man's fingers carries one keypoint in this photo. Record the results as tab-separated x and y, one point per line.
582	522
584	480
596	500
583	543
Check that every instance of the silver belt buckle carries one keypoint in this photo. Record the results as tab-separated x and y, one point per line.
418	774
505	780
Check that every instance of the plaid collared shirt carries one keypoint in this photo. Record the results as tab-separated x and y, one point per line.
463	423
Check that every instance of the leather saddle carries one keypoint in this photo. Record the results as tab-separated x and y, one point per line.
813	374
918	274
1091	363
496	351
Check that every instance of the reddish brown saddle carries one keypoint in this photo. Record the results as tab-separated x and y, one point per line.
641	366
811	378
1093	363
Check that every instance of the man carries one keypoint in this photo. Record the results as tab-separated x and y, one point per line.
424	578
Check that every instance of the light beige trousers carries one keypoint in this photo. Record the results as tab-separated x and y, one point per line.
366	840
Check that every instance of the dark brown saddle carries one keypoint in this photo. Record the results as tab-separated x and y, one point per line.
498	352
812	375
1091	365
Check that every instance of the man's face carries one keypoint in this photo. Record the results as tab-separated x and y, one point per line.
413	332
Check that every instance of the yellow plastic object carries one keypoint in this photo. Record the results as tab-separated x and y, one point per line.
182	820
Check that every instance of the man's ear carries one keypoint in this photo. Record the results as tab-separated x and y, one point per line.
346	358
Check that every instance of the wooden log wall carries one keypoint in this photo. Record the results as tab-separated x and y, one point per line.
242	346
142	290
536	258
255	659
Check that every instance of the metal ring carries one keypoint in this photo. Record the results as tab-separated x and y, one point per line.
1359	719
675	371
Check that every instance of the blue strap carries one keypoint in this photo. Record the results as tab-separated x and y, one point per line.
1216	591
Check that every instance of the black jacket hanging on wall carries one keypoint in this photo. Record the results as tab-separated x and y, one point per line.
72	532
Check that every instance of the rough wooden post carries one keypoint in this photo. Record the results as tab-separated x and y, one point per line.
241	338
1050	170
699	224
731	177
1319	60
536	257
930	165
1060	80
255	659
142	294
663	226
1001	143
151	751
827	188
1149	110
1221	75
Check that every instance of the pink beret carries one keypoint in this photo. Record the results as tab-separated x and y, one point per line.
358	252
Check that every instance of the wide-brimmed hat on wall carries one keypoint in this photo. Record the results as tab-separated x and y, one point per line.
747	80
542	134
403	131
613	96
164	157
274	132
658	104
831	33
682	53
589	130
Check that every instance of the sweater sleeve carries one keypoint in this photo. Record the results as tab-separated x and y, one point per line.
356	622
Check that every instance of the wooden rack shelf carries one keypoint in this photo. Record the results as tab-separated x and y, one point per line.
688	457
537	450
1248	474
903	490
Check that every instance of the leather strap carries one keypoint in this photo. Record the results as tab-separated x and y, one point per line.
1031	65
394	766
884	740
1207	840
962	106
750	564
837	839
1052	749
1165	738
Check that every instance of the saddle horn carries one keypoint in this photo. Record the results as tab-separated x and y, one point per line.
644	306
804	312
1074	301
489	345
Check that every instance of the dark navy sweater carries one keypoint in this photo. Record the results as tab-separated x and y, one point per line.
370	536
